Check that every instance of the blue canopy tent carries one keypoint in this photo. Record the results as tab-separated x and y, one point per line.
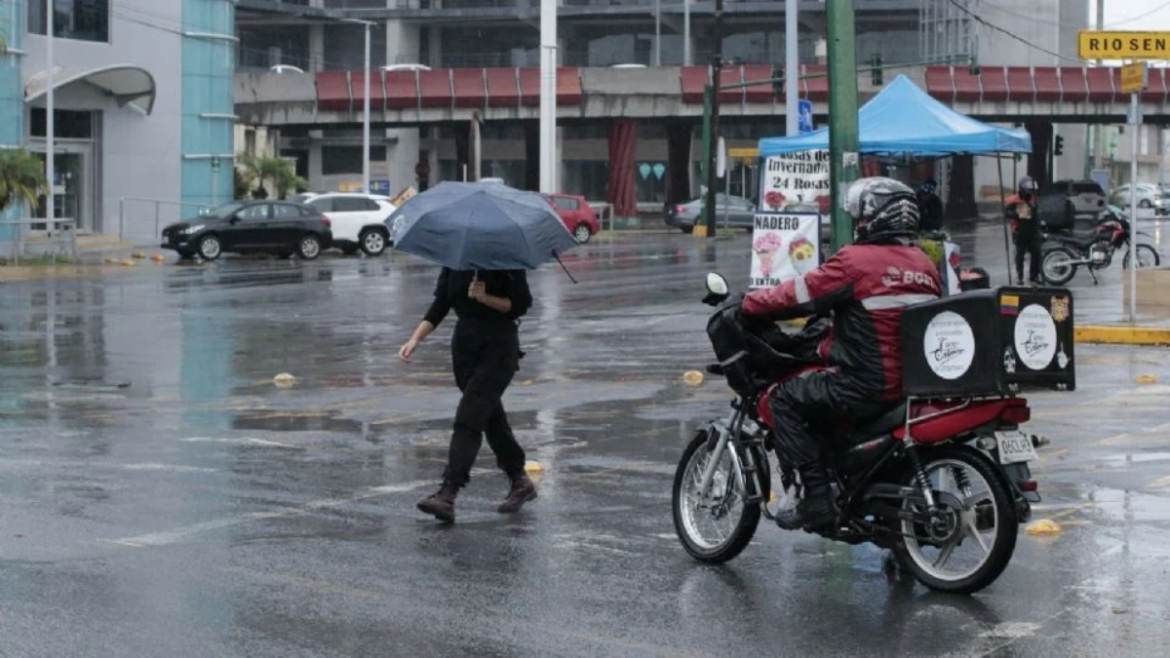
903	123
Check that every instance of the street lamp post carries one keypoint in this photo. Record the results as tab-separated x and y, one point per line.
50	123
365	108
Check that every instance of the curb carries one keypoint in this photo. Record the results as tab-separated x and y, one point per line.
1120	335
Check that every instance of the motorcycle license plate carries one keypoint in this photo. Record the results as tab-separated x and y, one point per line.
1015	447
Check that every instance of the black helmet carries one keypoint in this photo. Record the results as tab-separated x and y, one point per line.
882	206
928	186
1027	186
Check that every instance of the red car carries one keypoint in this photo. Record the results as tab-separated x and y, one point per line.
580	218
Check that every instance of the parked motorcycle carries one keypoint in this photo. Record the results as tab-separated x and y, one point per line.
945	484
1064	253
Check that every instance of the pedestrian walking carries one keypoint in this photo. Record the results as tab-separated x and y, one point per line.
485	355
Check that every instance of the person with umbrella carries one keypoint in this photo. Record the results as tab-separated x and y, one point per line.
485	236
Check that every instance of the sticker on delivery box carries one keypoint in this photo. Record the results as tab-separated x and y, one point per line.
949	344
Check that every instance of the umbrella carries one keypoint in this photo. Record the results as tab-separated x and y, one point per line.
480	226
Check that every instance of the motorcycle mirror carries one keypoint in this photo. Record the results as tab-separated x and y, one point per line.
717	285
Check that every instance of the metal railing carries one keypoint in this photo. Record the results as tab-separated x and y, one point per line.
158	204
60	232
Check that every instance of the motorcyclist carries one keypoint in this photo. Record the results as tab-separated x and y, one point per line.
1022	212
930	207
866	287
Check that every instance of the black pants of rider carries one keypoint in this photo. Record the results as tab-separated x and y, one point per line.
815	397
1028	242
485	357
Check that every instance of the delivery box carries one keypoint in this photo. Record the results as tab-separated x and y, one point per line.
989	342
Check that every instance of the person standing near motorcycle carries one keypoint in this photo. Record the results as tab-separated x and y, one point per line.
485	353
930	207
1022	212
866	286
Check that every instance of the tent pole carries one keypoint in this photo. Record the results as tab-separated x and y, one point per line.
1003	204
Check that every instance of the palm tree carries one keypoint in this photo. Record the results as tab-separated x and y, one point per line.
281	173
22	177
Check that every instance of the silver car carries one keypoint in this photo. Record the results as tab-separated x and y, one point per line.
739	212
1148	196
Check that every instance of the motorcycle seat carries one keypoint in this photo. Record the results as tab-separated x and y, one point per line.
883	423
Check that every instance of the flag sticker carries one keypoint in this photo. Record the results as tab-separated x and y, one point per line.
1009	305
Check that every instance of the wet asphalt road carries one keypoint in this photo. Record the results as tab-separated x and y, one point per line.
160	496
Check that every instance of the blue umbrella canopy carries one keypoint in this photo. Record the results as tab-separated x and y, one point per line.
480	226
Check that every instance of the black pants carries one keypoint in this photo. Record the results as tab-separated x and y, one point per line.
1028	243
485	358
822	396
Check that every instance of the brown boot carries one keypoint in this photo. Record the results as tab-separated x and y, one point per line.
441	504
523	490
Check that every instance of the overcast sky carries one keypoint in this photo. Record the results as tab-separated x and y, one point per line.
1118	11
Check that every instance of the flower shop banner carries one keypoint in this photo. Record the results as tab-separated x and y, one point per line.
784	246
800	178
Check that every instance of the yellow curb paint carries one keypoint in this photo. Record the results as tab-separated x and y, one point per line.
1147	379
1118	335
700	231
693	378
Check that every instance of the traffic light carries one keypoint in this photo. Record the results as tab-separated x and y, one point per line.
1059	149
876	61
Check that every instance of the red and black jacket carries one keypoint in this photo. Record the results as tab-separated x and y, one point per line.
866	287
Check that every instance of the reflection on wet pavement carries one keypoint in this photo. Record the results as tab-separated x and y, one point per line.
159	495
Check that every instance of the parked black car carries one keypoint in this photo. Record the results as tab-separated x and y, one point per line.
251	227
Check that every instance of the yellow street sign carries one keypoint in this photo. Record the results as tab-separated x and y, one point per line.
1133	78
1123	45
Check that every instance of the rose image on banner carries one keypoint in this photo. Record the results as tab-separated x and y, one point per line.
765	247
774	200
784	246
803	255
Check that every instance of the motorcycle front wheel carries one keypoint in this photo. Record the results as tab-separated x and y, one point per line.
717	526
1058	266
1147	256
972	535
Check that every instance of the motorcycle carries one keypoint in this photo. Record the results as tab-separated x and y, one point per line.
1093	250
944	484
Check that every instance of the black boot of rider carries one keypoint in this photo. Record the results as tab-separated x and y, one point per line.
816	508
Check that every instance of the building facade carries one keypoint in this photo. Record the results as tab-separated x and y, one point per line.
311	35
143	105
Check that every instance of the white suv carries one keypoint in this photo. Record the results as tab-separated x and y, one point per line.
358	220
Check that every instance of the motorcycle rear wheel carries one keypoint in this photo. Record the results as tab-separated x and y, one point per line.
715	528
986	506
1058	267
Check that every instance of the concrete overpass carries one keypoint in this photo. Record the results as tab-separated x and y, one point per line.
408	98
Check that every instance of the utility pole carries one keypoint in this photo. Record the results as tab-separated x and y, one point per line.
686	32
716	74
657	33
791	67
1099	129
50	121
844	141
548	96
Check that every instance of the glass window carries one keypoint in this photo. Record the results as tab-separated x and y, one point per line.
254	212
1087	187
84	20
322	204
284	211
351	204
347	159
67	124
566	203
